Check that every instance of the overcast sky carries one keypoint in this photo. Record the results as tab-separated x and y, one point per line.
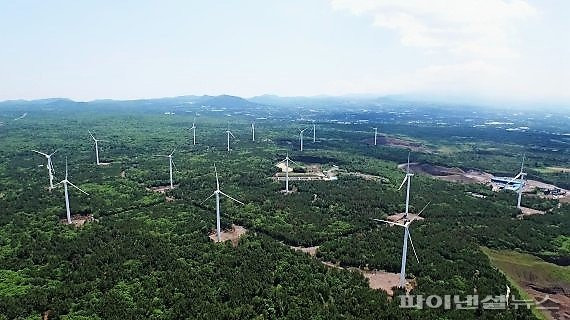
493	50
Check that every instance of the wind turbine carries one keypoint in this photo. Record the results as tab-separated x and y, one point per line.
65	183
407	236
96	146
406	224
375	135
229	134
217	193
193	128
301	137
49	166
286	161
522	176
314	133
253	131
171	164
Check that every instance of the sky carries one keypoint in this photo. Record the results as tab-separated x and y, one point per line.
498	51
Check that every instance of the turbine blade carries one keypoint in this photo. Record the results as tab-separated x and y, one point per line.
412	243
389	222
295	163
91	135
522	163
76	187
65	168
234	199
217	180
43	154
403	181
207	198
515	178
53	153
427	204
231	134
408	167
172	152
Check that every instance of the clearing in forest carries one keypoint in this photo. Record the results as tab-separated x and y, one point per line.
540	280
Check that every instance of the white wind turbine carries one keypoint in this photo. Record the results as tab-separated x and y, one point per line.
314	133
286	161
65	183
301	138
49	166
170	165
229	133
375	135
522	176
217	193
253	131
96	146
406	224
407	236
193	128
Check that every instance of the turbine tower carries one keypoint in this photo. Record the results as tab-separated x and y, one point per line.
301	138
375	135
408	179
286	161
96	146
314	134
253	131
170	165
229	133
217	193
522	176
193	128
65	183
49	166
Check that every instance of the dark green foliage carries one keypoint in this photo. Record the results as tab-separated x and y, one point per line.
147	258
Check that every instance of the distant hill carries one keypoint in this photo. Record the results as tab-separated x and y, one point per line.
225	101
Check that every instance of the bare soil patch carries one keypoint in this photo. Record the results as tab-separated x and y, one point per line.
528	212
400	217
377	280
233	234
449	174
312	251
399	143
283	167
554	298
161	189
384	281
78	220
365	176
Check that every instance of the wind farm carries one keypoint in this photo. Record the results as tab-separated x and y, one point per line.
341	202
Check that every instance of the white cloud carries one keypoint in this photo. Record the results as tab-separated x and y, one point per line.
474	28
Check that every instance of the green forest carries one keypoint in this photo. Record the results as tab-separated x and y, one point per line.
149	255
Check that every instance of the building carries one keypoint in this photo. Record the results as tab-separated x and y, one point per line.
507	183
